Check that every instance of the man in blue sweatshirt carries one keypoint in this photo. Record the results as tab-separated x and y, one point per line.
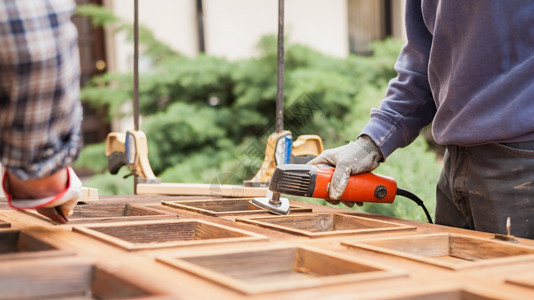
467	67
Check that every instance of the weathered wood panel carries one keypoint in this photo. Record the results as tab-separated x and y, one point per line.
322	224
451	251
109	212
266	262
280	268
59	279
168	233
225	206
20	245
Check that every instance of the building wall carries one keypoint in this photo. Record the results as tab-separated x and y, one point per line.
366	23
397	19
172	21
232	28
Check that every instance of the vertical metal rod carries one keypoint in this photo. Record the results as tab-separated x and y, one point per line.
200	25
280	70
136	66
275	199
136	77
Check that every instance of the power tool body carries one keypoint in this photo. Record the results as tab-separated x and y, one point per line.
314	181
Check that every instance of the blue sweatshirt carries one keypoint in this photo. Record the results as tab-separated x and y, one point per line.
468	67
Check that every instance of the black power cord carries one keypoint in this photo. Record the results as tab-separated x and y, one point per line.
414	198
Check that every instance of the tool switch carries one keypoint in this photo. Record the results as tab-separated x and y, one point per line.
381	192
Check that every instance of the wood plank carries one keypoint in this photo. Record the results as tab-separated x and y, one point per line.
109	212
88	194
106	284
225	206
301	274
471	248
525	279
470	252
49	280
201	189
21	245
4	224
324	224
429	245
64	279
256	271
166	233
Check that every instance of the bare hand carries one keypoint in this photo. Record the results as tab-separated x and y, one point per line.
54	196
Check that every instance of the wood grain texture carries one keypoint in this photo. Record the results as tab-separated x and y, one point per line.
324	224
207	264
166	233
88	194
107	285
442	291
51	280
64	280
109	212
199	189
452	251
225	206
274	269
525	279
19	245
4	224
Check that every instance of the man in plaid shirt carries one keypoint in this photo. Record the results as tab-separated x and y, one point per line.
40	111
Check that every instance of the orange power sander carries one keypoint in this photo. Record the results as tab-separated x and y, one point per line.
314	181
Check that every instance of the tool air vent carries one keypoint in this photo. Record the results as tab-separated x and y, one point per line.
291	179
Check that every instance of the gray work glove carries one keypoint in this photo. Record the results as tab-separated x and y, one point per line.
354	158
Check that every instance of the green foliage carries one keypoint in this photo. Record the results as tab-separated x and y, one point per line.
99	15
207	118
181	130
108	184
91	158
108	92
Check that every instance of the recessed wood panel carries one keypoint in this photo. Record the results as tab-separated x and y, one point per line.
444	290
459	294
171	233
279	268
110	212
450	251
225	206
59	280
325	224
17	244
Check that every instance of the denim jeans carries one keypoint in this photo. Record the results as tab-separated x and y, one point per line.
480	186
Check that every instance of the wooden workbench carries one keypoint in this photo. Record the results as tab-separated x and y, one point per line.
165	247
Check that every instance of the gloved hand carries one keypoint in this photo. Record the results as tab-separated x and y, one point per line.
353	158
56	207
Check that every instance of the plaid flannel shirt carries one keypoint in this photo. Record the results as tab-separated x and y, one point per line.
40	110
